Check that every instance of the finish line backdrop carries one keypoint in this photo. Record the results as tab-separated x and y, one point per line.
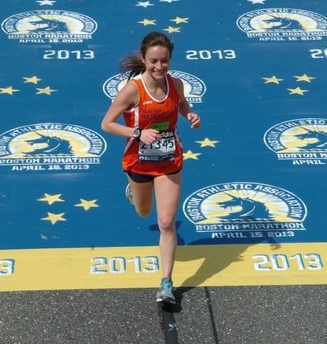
253	202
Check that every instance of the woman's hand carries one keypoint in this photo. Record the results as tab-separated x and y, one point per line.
194	119
148	136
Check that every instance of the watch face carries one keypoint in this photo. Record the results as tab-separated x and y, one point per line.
137	133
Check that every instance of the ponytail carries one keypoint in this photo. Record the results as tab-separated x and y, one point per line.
133	65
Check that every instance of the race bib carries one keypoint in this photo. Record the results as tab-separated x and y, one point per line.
160	150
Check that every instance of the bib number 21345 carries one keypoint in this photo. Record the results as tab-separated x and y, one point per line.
160	150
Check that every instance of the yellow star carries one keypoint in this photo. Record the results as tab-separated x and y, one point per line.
51	198
190	155
146	22
87	204
32	79
179	20
171	29
54	218
297	90
46	90
207	143
273	79
303	77
8	90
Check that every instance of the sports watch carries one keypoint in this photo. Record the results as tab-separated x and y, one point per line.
137	134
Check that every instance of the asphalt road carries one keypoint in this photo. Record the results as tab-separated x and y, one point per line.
225	315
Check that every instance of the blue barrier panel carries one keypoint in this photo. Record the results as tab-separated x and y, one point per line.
254	176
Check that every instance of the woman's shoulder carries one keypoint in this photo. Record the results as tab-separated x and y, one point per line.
130	86
178	83
129	94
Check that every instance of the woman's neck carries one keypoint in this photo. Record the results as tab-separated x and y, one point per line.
157	88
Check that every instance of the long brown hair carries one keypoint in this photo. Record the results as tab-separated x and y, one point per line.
133	64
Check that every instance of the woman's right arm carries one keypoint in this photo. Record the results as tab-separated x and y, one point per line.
127	97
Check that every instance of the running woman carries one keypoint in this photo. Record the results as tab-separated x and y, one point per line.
150	103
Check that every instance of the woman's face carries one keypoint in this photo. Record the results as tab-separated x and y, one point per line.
157	61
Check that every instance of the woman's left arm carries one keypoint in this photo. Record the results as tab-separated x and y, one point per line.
184	106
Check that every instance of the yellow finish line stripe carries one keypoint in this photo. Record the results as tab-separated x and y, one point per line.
139	267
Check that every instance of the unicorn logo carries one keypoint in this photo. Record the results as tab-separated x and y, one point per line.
319	137
36	147
49	145
194	87
244	208
49	25
285	23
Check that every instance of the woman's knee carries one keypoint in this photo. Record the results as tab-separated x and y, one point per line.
143	211
166	223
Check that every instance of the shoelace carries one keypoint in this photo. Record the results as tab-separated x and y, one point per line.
166	285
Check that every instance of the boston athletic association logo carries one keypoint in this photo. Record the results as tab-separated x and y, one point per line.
49	26
194	87
302	141
238	209
283	24
50	147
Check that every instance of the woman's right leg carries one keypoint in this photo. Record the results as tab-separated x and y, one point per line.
142	196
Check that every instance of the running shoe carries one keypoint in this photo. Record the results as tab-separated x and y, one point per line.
165	294
129	193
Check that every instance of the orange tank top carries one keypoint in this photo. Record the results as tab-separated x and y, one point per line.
165	155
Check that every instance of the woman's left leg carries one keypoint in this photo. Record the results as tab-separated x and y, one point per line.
167	193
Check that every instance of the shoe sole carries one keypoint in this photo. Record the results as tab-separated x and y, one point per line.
129	194
167	301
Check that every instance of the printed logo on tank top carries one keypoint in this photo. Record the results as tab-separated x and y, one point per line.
160	126
152	114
